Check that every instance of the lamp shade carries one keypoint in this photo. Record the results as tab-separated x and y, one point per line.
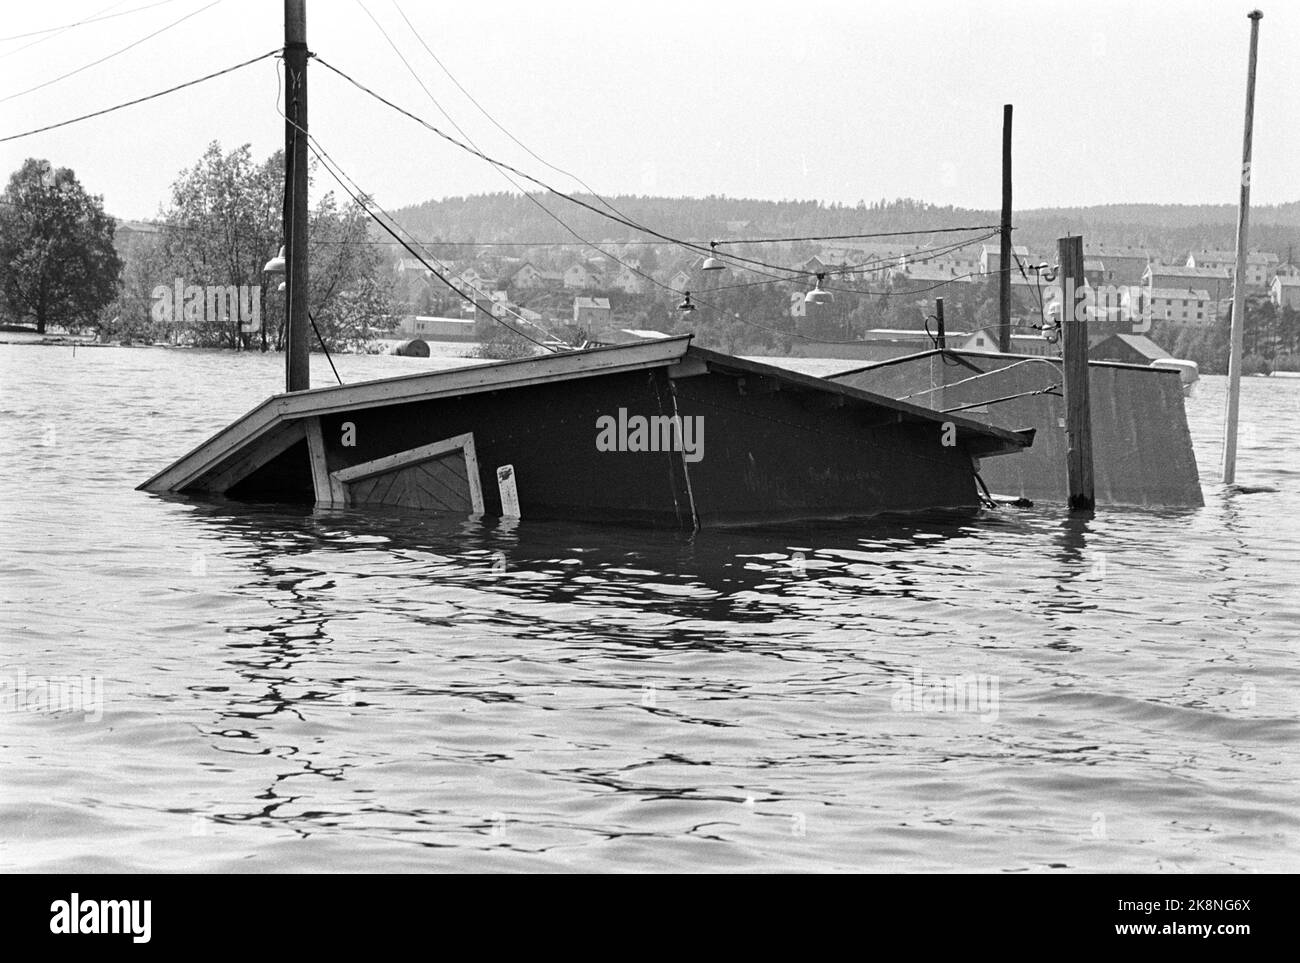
276	264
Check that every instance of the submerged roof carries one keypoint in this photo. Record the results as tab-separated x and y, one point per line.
1142	345
273	413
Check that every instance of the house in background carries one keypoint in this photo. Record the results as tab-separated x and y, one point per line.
408	267
591	313
1120	265
985	339
1215	282
991	255
1176	307
528	277
1128	348
582	277
627	280
436	329
923	275
1285	292
1260	266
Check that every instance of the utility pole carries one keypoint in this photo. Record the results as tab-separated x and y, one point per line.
1074	366
941	337
1239	281
1004	261
297	354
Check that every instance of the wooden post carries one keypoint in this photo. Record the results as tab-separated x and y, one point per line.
297	353
940	362
1004	260
1074	365
1239	281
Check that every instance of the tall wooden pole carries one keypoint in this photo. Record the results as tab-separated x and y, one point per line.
1239	281
941	336
1004	261
1078	413
297	354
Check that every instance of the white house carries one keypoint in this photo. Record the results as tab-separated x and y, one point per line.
627	280
581	277
991	255
1260	266
592	312
1179	307
1285	292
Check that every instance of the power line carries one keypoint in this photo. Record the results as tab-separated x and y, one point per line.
330	164
434	271
93	18
115	53
547	187
140	100
483	110
546	210
58	32
878	264
311	140
742	261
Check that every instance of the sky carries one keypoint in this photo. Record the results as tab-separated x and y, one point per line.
1115	102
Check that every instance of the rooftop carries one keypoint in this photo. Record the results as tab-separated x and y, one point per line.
1170	271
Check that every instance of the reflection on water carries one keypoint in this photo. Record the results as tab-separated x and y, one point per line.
296	689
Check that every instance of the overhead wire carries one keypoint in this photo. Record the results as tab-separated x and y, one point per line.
545	186
140	100
363	200
483	110
635	269
93	18
115	53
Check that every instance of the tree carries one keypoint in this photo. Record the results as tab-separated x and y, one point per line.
56	248
351	291
225	221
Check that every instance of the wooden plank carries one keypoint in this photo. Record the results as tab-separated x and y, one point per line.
205	457
388	463
329	491
472	476
507	485
489	377
270	445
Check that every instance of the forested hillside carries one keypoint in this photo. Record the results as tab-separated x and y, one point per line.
503	217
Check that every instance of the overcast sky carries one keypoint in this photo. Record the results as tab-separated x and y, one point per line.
835	101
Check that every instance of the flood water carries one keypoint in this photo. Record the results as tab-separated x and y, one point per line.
270	690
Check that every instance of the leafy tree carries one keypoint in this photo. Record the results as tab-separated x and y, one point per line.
225	221
351	291
56	248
